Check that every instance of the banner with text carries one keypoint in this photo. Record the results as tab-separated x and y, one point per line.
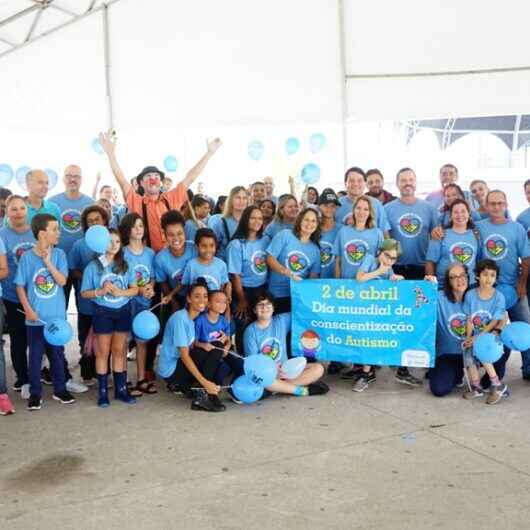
378	322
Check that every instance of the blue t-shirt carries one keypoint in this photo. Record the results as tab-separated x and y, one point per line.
215	273
179	333
371	264
524	220
118	212
218	226
300	258
45	295
481	312
271	341
70	219
275	227
411	225
327	255
47	207
450	326
344	213
207	331
352	245
94	277
190	229
78	258
454	247
505	244
248	259
16	244
170	268
142	267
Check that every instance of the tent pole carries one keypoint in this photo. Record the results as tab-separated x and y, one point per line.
106	44
343	81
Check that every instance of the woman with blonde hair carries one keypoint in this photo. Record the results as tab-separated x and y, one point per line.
286	212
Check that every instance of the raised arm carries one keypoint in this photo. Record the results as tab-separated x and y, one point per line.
198	168
96	186
108	142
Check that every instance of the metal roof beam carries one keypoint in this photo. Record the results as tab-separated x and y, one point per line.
20	14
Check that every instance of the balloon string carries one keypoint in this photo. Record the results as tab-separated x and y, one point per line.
155	306
38	320
201	388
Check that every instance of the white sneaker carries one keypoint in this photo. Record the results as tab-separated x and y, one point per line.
75	387
24	391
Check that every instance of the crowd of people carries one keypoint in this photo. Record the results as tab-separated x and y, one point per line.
218	276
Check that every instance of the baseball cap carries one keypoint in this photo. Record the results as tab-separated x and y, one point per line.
327	196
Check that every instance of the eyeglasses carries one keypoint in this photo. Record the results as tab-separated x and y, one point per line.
389	256
263	305
458	277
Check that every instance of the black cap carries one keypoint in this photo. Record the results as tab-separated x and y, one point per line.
149	169
328	196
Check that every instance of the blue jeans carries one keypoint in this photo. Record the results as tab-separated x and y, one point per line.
37	347
3	387
448	371
521	313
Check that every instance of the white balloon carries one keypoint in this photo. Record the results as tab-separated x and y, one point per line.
294	367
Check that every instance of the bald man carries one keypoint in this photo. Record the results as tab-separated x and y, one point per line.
37	184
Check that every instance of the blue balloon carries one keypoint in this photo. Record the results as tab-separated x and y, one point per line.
516	336
255	150
487	348
97	238
317	142
292	145
171	163
20	176
6	174
260	369
510	294
52	177
310	173
245	390
96	146
146	325
58	332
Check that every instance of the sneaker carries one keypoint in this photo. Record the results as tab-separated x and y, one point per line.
201	401
34	402
496	394
6	407
45	376
24	391
318	389
474	393
406	378
64	397
233	397
17	385
103	402
334	368
363	381
75	387
217	403
89	382
353	373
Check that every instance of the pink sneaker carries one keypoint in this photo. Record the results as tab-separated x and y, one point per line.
6	407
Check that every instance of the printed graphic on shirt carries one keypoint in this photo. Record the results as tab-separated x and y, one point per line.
258	262
326	254
141	275
271	347
71	221
496	246
177	275
297	261
44	285
457	325
214	335
356	250
18	250
461	252
116	280
480	319
410	225
347	219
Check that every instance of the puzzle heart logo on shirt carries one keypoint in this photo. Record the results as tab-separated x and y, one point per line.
177	275
71	221
44	284
410	225
462	252
116	280
356	251
258	262
457	325
18	250
271	347
297	261
141	275
326	253
496	246
480	320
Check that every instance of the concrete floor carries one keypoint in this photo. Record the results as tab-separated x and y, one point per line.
391	457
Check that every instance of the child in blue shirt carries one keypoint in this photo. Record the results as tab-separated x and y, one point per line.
485	309
41	275
110	283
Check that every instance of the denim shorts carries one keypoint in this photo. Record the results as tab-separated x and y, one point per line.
107	320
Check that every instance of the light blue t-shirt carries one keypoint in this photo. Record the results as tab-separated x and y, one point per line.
142	267
454	247
94	277
300	258
170	268
70	218
45	295
16	244
248	259
215	273
47	207
218	226
190	229
411	225
275	227
371	264
450	326
505	244
524	219
271	341
78	258
327	255
352	245
481	312
179	333
344	213
207	331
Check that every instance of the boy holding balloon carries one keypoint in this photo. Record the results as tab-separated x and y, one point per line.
485	308
41	275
